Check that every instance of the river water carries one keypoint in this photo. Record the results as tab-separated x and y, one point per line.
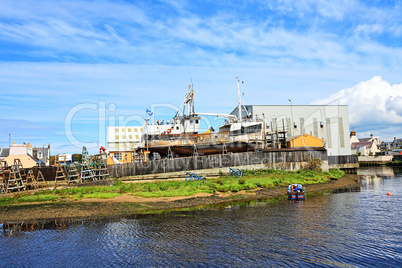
350	228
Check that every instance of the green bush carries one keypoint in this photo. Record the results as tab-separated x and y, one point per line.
336	173
313	164
222	189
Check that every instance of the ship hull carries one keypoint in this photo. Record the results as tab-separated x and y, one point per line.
203	149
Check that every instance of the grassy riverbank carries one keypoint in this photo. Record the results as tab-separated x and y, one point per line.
264	179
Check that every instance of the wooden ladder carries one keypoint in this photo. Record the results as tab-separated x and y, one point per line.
31	180
15	180
40	177
3	174
60	173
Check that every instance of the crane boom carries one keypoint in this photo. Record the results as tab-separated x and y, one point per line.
219	114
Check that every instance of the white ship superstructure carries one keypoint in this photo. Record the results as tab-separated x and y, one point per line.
182	136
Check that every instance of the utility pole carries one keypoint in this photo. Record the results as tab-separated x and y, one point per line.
292	124
146	128
265	131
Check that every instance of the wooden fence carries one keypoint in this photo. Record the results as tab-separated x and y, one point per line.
266	158
49	173
269	158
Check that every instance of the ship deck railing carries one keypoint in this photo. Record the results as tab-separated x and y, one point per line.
218	140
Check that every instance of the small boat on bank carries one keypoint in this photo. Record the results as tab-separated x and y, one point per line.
296	192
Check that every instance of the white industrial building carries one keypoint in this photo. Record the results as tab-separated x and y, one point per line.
124	138
327	122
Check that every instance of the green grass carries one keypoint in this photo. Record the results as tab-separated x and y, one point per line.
7	201
38	198
254	179
97	195
336	173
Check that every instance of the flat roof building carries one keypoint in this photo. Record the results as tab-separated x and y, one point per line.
124	138
121	141
329	123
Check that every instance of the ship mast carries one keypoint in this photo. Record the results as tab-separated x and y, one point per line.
190	100
240	102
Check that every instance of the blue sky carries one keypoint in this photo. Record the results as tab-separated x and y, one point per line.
84	63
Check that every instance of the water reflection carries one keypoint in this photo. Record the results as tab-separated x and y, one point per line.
383	172
14	227
373	177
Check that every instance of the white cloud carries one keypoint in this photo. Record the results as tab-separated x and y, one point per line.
374	105
336	9
366	29
55	55
108	31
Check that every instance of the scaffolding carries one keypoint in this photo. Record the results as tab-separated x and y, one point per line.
195	151
224	149
86	171
99	166
72	174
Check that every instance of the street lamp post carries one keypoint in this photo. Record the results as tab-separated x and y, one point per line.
291	114
146	129
265	130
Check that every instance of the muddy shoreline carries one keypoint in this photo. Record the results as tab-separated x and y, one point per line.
126	205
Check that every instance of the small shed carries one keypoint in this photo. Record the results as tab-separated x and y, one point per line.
305	140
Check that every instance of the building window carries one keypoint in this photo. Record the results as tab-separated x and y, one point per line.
123	130
137	137
117	130
142	130
118	156
39	154
135	130
177	127
117	137
124	137
131	137
129	130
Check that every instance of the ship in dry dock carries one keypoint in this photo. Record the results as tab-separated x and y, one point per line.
181	136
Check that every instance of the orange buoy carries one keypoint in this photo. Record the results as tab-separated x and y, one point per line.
389	193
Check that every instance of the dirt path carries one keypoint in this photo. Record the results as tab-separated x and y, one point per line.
127	204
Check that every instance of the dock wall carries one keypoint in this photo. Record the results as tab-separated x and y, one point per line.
375	160
343	162
278	159
285	159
